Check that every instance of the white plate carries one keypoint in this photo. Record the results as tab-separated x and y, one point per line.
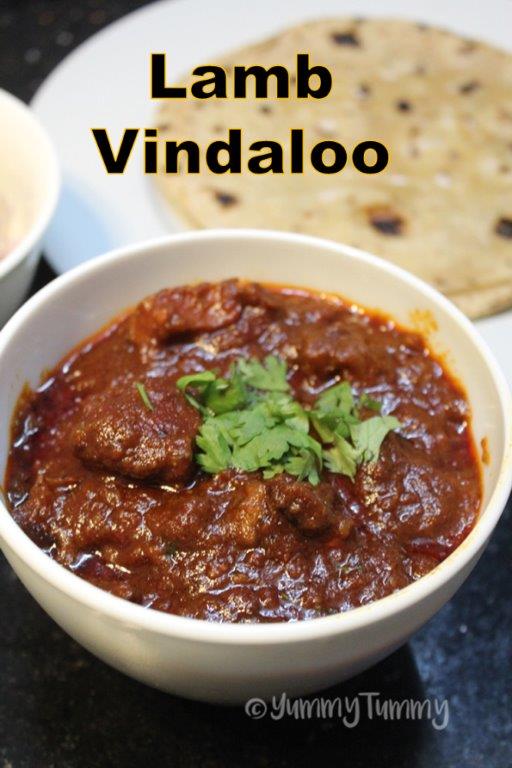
105	82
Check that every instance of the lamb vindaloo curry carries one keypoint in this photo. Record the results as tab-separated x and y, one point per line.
242	452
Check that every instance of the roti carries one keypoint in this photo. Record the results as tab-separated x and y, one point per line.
440	103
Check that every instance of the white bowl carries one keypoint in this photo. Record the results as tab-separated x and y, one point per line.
29	176
230	662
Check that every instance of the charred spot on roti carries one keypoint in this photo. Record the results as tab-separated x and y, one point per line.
470	87
403	105
386	220
348	38
503	227
364	90
226	199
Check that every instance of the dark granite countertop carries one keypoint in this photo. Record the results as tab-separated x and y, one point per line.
62	708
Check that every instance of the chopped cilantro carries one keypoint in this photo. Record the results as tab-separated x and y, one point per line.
365	401
215	452
271	376
368	436
251	422
141	389
225	395
334	412
196	380
303	466
199	382
342	458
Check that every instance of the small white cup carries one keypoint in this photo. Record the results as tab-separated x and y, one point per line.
29	183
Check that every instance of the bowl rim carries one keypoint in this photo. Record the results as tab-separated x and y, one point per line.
201	630
53	184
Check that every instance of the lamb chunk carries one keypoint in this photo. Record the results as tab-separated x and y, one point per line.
298	308
189	309
241	521
118	433
310	508
328	348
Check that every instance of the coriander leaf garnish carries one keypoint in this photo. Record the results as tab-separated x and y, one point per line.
334	412
225	395
368	436
215	453
365	401
218	395
141	389
196	380
269	376
303	466
263	450
338	398
342	458
270	472
252	422
200	382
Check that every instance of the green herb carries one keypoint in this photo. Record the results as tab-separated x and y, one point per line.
334	412
141	389
368	436
225	395
342	458
337	398
270	376
217	395
304	466
196	380
365	401
200	382
215	453
251	422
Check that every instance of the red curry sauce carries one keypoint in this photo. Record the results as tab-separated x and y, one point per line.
112	491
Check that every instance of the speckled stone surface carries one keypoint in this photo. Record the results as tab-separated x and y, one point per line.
61	708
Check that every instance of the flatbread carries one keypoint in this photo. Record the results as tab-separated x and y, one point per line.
442	105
